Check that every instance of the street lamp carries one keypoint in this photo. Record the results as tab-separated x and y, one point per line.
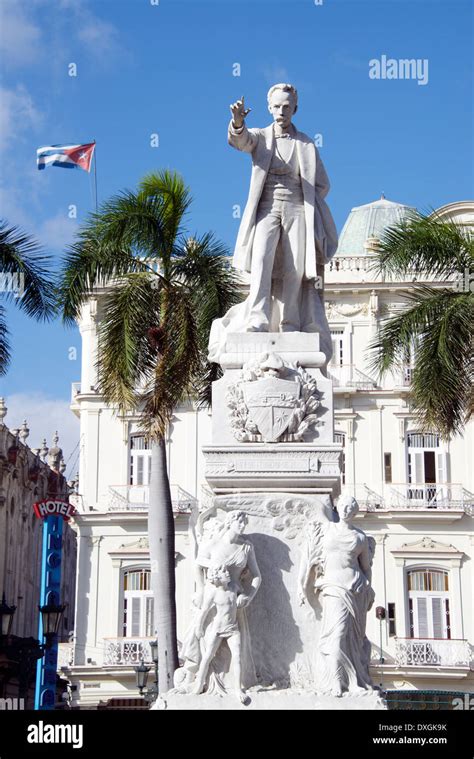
51	615
142	671
142	676
6	617
154	651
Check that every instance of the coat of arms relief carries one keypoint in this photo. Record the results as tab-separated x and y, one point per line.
273	401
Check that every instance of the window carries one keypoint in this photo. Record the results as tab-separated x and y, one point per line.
140	460
427	467
387	466
337	339
340	437
392	630
428	603
137	604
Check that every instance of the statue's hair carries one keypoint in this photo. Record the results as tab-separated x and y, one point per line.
216	572
284	88
234	516
347	498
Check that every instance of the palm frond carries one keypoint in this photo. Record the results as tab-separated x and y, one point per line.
439	324
90	262
176	369
126	356
4	343
204	265
173	196
131	221
425	243
22	257
444	370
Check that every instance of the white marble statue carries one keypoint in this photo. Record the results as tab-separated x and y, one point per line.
338	557
227	580
222	598
286	234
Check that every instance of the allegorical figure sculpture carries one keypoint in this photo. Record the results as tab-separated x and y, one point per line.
339	557
228	579
286	234
221	598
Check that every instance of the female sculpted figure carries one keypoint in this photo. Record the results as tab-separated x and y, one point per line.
225	547
341	556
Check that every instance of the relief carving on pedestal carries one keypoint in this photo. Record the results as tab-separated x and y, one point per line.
273	401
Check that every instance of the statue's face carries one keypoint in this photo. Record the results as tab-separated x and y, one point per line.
349	510
238	525
282	108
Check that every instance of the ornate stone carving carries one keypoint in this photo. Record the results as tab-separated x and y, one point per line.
334	309
273	401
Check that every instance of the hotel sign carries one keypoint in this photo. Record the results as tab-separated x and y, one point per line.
54	507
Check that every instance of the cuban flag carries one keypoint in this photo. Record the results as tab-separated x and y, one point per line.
66	156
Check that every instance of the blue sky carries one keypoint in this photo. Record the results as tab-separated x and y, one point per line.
168	69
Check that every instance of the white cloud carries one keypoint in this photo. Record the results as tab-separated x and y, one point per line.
57	232
45	415
99	37
18	113
19	37
275	74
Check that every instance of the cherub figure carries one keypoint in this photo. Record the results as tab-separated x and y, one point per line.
220	596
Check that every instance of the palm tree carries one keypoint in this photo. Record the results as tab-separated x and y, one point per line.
437	322
25	280
162	292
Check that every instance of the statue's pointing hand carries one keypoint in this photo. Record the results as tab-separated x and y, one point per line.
239	112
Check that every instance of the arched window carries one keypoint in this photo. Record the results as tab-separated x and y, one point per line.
140	460
137	604
428	602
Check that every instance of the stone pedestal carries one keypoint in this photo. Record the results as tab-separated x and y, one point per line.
263	699
272	457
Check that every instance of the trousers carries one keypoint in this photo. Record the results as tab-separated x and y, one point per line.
277	222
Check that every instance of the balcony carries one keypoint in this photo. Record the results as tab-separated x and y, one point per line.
432	652
429	495
137	498
407	496
126	652
348	376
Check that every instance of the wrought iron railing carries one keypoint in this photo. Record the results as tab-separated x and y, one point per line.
137	498
441	652
126	651
411	497
348	375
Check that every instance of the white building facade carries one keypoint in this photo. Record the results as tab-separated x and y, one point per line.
413	488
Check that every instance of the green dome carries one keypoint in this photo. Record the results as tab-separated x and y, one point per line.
368	221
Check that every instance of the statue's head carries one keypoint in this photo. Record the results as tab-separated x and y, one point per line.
218	575
282	103
236	521
347	507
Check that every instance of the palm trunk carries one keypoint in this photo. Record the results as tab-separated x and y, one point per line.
162	552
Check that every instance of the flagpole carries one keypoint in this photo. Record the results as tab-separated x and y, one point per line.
95	175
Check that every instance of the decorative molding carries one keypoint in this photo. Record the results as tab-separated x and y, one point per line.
427	548
346	310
